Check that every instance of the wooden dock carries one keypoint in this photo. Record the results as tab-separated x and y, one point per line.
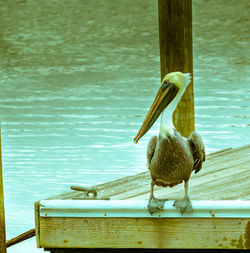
225	176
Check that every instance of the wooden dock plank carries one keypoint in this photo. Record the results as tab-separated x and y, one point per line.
213	186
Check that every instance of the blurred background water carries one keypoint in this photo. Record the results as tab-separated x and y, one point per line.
77	78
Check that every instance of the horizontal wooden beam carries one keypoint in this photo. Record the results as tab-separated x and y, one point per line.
170	233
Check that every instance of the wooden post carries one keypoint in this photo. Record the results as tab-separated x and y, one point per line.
176	53
2	216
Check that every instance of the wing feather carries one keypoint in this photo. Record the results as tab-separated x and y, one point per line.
151	149
198	150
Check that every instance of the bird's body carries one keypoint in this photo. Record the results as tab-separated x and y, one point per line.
171	157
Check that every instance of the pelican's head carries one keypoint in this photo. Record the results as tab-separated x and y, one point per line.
172	88
178	78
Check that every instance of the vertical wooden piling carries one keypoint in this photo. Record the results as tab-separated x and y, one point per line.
176	53
2	216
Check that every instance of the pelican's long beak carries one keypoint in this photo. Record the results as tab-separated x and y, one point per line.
165	95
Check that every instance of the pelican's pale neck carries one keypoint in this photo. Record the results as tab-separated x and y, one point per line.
166	124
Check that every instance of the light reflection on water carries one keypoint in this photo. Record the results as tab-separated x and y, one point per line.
77	83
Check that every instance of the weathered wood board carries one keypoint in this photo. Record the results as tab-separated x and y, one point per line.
164	233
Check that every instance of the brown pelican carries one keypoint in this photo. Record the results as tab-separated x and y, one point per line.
171	157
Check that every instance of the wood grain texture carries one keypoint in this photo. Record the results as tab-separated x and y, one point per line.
212	233
176	54
2	214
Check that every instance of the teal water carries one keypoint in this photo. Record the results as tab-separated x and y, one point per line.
77	78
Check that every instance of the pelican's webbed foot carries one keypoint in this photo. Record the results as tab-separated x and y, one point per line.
184	205
155	205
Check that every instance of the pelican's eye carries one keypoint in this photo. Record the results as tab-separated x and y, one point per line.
165	85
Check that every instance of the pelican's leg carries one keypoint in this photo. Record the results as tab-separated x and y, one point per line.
154	204
184	205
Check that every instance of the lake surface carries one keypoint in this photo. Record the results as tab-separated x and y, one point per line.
77	78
